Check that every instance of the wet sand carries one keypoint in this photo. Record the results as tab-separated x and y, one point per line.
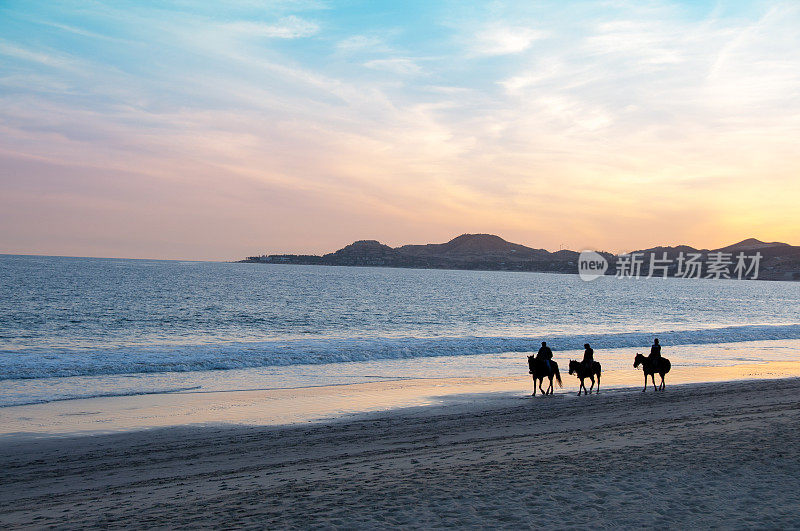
722	454
260	407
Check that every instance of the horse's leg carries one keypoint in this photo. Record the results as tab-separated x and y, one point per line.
533	377
541	380
580	387
598	385
663	385
550	389
645	382
653	378
591	377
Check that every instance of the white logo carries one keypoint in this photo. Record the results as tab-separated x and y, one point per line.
591	265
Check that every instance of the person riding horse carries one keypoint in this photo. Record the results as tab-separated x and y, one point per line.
653	364
588	368
588	357
542	366
545	354
655	355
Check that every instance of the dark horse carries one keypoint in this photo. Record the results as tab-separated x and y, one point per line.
582	372
539	371
647	366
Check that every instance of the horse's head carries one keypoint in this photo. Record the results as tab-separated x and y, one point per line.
573	366
638	359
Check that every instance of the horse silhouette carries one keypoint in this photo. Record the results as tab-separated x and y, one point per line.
582	373
538	370
647	366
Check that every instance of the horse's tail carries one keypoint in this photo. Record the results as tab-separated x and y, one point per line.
599	368
557	374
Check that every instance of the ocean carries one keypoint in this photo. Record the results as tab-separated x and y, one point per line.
88	327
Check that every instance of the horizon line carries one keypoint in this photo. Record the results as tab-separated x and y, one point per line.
234	260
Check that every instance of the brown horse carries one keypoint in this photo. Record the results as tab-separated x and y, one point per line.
538	370
647	366
582	373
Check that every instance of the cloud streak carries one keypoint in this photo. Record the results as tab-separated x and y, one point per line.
504	40
290	27
287	127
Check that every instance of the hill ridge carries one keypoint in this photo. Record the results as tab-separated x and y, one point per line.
483	251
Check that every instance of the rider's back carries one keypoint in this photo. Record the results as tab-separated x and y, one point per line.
655	355
544	353
655	351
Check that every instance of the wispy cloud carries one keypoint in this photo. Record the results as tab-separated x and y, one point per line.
396	65
290	27
357	43
504	40
46	58
294	126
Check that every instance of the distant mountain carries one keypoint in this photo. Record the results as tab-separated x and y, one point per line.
751	244
671	251
471	246
780	261
468	251
371	248
566	254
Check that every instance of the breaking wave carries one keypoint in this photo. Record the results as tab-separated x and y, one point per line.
40	363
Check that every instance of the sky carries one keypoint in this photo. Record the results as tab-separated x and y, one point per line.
217	130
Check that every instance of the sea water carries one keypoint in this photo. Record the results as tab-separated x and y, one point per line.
85	327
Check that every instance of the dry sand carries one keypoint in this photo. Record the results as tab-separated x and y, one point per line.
720	455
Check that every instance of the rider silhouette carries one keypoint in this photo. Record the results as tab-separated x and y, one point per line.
655	354
545	354
588	357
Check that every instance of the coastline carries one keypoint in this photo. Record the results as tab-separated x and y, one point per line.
790	276
254	406
488	252
721	454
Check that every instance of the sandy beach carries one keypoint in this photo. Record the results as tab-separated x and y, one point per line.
356	265
718	454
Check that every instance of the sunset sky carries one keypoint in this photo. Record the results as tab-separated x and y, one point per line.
194	131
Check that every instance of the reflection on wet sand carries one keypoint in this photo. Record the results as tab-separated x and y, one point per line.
310	404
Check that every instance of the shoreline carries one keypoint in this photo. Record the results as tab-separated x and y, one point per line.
718	454
319	404
557	267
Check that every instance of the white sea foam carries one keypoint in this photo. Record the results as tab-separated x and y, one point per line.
38	363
